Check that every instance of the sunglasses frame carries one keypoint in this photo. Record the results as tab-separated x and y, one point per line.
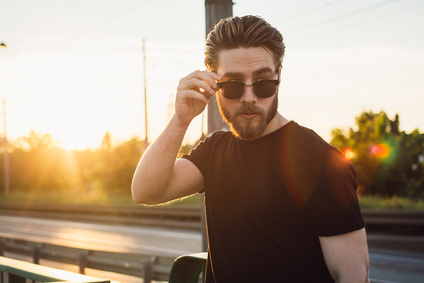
222	84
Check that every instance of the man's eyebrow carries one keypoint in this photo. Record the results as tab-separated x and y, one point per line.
263	70
257	72
233	74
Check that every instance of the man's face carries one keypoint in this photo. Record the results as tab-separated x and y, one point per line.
249	116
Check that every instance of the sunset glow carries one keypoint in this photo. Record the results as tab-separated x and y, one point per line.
74	69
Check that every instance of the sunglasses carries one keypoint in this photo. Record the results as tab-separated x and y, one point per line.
235	89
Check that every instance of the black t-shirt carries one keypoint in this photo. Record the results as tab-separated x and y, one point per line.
268	201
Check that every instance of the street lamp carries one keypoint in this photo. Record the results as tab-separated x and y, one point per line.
5	144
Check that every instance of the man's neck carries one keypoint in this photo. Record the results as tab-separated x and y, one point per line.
276	123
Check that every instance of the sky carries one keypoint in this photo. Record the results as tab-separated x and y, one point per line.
75	68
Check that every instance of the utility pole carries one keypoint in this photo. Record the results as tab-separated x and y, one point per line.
215	11
6	152
146	140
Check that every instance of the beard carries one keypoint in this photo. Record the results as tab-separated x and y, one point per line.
249	129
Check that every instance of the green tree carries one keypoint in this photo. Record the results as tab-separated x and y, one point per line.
389	161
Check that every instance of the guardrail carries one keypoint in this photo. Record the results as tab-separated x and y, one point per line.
395	222
174	217
148	267
189	217
17	271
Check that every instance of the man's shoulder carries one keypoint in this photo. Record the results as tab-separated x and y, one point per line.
305	143
304	136
217	138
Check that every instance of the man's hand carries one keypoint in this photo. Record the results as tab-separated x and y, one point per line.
193	95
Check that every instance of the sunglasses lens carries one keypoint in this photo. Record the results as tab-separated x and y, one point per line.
232	90
265	89
262	89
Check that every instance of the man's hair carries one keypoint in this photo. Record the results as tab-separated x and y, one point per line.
246	31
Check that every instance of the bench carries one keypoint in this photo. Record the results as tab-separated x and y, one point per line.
18	271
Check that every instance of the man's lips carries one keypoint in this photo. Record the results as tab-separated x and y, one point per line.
249	115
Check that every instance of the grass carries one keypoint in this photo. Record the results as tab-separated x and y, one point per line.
373	202
93	196
73	197
99	196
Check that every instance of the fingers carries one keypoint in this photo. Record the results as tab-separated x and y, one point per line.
193	94
199	82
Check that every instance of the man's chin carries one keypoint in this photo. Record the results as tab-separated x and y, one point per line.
248	131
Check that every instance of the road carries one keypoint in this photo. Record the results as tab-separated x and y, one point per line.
387	266
396	266
112	238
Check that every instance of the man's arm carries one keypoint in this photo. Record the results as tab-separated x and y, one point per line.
159	177
346	256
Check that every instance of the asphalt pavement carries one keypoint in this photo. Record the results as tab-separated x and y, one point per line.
388	265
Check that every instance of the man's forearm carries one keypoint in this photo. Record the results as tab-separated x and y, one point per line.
154	170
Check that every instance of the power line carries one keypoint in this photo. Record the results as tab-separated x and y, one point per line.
107	20
403	9
87	30
343	16
40	26
397	12
123	12
15	18
175	26
311	10
184	20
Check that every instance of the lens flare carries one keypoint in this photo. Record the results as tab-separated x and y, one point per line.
381	150
348	154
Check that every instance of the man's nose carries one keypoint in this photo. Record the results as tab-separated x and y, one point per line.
248	94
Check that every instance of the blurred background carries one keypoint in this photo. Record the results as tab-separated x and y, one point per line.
73	75
76	79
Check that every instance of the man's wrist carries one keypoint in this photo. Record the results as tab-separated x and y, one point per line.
180	124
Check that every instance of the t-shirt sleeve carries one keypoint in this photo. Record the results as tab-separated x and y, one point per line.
332	204
199	155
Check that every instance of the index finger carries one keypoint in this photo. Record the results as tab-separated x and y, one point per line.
208	77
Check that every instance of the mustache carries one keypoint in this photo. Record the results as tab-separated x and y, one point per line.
249	108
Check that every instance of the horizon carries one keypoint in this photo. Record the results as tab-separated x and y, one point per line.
74	69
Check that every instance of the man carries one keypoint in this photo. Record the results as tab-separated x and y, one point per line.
281	203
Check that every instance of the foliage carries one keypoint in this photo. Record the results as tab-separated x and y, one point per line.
398	203
110	167
40	169
38	165
389	162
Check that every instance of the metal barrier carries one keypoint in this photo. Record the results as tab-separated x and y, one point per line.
174	217
400	222
148	267
17	271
